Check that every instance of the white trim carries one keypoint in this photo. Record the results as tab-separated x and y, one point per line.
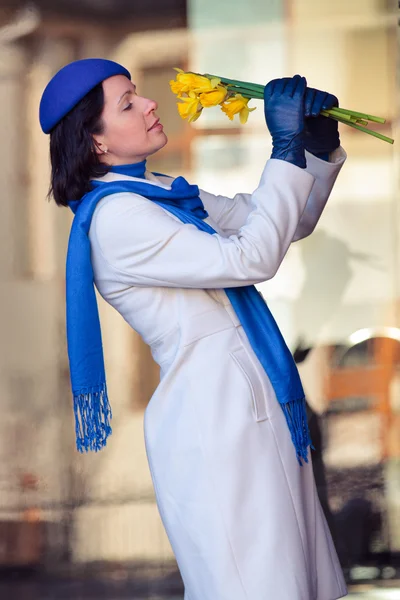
111	177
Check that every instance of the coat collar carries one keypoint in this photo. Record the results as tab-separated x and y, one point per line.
151	179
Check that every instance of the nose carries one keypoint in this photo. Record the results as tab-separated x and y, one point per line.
150	106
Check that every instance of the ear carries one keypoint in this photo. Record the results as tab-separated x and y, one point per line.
99	145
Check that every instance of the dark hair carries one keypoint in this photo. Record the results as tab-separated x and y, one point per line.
73	156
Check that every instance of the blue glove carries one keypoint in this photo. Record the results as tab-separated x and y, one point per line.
321	134
284	113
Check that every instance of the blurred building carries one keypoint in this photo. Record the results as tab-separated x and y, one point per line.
337	291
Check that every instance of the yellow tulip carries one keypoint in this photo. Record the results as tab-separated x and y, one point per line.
213	98
196	83
190	82
194	117
177	87
237	105
190	108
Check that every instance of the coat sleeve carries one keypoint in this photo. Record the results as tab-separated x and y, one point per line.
231	213
147	246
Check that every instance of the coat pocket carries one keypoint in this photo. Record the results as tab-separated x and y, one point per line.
256	386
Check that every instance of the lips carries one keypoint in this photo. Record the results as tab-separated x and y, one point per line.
154	124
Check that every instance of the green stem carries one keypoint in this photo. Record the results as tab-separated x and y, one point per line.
245	92
361	122
338	116
374	133
353	113
243	84
333	114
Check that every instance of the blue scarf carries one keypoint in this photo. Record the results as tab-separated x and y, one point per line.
91	406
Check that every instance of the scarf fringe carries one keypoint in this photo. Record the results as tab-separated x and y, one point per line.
92	419
296	417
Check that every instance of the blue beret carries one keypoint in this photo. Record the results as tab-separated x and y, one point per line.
71	84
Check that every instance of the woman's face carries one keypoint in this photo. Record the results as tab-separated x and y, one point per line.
132	130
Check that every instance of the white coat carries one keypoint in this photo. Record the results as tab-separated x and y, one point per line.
242	516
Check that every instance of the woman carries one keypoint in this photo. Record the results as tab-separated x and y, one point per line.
225	432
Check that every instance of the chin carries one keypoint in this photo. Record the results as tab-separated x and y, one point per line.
165	139
161	142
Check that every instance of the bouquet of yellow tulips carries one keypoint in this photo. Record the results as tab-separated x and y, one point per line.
196	91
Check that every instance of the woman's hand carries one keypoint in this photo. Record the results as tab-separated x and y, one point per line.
321	134
284	106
